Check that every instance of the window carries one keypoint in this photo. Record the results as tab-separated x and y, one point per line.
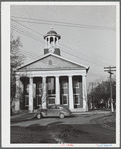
50	62
64	83
51	100
58	107
53	107
76	83
39	100
26	89
39	88
65	99
26	100
76	100
51	86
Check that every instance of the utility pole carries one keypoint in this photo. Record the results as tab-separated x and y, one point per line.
92	98
109	70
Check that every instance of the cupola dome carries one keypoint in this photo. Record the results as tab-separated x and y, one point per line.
51	42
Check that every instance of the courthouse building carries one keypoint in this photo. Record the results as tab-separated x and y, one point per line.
52	79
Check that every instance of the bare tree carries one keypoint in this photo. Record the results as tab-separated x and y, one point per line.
16	60
102	91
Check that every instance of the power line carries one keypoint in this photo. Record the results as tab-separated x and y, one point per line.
27	35
20	29
61	49
109	70
77	56
27	27
62	44
28	54
65	24
78	52
32	53
80	58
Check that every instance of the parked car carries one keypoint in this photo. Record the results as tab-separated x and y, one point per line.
53	110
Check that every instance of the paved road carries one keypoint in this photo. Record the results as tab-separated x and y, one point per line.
76	129
74	119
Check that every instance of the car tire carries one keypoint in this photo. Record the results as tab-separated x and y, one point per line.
39	116
61	115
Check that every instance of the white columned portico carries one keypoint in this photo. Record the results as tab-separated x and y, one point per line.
85	102
71	100
30	94
17	96
44	92
57	90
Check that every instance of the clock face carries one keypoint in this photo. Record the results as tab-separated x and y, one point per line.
51	49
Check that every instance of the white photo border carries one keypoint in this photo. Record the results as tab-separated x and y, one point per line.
5	80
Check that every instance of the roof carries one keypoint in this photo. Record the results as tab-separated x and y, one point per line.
57	63
52	32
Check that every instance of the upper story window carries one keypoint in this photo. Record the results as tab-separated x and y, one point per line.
39	88
26	89
76	83
64	83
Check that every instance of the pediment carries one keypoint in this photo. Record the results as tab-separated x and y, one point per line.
51	62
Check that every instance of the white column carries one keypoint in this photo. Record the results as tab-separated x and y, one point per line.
45	42
48	42
71	100
30	94
54	41
57	43
57	90
17	96
44	92
84	91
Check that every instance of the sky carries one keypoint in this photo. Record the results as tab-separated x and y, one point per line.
88	33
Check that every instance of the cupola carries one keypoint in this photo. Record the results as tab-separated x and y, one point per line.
51	42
